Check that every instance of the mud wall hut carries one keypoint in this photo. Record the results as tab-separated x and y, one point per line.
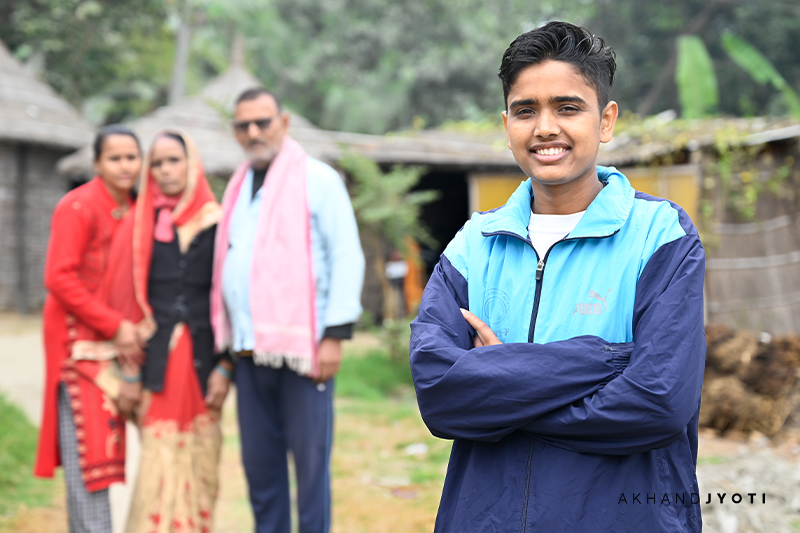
37	128
739	179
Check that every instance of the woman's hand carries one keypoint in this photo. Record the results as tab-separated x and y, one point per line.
484	336
129	345
130	393
218	386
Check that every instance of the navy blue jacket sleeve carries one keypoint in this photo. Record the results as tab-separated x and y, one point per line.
488	392
654	399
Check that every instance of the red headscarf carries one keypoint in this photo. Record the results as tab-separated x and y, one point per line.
129	265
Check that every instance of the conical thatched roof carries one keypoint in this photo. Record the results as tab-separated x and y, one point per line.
31	111
206	117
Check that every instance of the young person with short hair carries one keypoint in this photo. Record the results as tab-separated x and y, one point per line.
560	340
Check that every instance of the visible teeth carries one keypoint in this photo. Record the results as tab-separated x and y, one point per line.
550	151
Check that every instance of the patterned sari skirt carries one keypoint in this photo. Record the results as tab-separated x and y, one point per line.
181	442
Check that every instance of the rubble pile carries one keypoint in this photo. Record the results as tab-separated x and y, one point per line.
750	381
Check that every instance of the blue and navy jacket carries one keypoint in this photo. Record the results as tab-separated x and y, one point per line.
585	419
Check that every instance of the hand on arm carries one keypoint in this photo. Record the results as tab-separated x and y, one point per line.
650	404
484	336
490	391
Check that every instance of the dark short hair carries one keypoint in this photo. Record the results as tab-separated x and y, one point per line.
255	92
561	41
108	131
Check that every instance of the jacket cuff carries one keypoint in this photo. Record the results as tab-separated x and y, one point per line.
344	331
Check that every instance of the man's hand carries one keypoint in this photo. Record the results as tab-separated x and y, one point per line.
129	393
329	357
129	344
218	386
484	334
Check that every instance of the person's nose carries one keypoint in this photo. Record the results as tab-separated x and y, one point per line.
547	125
253	130
130	166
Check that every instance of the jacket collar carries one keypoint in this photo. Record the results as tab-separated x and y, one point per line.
605	215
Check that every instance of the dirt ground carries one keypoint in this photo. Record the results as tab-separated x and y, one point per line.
388	471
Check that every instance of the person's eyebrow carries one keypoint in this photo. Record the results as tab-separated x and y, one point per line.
527	101
568	99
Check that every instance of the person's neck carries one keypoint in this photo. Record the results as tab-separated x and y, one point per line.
119	196
564	199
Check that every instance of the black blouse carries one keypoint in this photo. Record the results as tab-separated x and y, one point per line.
178	291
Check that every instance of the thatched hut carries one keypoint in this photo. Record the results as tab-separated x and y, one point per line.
37	128
206	117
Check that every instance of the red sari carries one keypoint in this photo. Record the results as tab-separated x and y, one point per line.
82	228
181	440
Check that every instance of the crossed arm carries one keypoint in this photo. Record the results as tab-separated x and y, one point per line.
583	394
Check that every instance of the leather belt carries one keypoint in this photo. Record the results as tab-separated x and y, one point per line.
244	353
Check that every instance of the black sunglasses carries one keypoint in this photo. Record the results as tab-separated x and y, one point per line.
243	126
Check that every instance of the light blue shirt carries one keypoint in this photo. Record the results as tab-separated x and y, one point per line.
335	247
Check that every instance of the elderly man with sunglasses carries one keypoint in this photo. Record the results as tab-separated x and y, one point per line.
288	273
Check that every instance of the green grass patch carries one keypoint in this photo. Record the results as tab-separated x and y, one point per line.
17	451
713	460
432	466
373	376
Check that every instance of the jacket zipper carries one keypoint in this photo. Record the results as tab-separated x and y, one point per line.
540	274
536	298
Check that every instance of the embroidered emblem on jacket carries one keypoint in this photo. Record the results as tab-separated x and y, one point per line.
496	306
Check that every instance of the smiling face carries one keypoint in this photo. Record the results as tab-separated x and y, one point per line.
554	127
259	126
118	164
169	165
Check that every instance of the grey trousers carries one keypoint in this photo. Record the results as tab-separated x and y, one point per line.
89	512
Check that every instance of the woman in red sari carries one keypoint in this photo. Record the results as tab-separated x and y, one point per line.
160	278
81	427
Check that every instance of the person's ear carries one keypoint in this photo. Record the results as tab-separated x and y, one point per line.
607	121
285	119
505	125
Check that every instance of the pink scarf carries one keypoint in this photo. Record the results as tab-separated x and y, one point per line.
282	291
163	231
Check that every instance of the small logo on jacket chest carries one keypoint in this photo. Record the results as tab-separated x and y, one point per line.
592	308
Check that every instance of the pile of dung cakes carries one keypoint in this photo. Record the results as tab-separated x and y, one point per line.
751	381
